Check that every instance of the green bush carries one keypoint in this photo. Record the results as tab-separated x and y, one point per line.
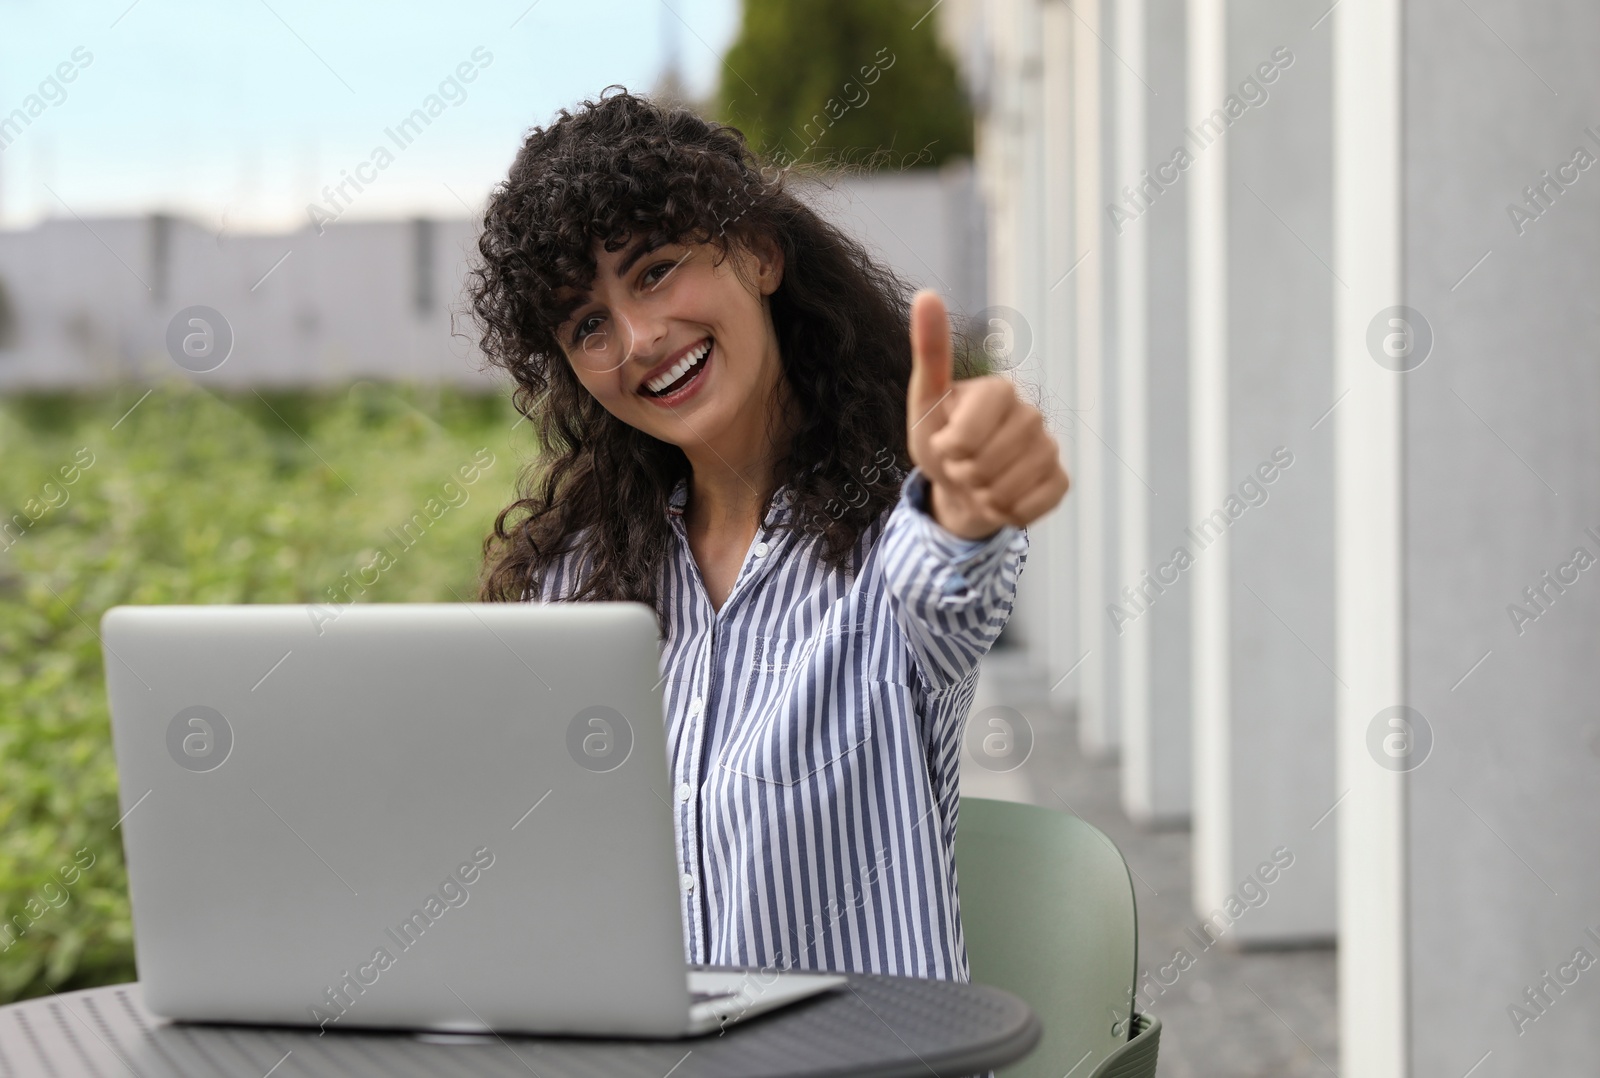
192	497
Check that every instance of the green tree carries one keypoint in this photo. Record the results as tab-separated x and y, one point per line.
845	82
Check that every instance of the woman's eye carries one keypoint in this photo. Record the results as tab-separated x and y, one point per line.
658	273
586	327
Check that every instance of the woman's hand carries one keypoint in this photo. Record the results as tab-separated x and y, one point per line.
988	459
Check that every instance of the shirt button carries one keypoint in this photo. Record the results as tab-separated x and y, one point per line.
694	707
761	550
685	791
687	881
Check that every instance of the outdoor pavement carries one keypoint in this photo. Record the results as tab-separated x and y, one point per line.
1231	1014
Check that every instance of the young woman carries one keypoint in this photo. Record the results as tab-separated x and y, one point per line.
740	425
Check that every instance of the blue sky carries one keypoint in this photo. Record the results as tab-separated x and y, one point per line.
248	108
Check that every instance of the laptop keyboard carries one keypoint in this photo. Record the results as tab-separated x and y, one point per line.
707	997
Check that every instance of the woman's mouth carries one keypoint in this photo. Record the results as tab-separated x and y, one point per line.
675	383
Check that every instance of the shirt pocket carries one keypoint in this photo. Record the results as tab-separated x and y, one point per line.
779	663
807	726
770	662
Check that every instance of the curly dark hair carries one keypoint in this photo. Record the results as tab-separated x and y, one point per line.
624	169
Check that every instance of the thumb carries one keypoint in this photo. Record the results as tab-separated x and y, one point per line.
932	364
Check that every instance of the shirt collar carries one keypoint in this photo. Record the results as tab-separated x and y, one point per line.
779	512
679	497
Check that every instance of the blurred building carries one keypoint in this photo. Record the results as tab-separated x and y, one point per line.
91	301
1312	290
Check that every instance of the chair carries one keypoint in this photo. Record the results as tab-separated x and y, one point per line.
1048	912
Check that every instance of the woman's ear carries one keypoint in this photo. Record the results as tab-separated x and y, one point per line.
767	259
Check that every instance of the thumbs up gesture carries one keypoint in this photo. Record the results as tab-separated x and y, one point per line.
988	459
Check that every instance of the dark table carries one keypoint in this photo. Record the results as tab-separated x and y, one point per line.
886	1027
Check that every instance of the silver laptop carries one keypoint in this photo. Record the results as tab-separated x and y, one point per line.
450	817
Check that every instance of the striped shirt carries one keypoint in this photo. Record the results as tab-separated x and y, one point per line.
814	728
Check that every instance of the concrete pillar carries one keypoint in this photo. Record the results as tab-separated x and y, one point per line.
1147	214
1102	418
1371	830
1260	539
1097	732
1055	347
1021	324
1025	214
1468	544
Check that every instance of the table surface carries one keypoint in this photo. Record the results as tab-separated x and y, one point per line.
875	1025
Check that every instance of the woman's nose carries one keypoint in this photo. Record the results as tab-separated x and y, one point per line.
641	335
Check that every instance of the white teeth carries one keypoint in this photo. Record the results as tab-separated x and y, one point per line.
656	385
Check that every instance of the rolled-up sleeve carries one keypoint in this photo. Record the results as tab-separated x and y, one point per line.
952	596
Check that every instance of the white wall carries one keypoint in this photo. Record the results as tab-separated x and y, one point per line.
1469	868
92	299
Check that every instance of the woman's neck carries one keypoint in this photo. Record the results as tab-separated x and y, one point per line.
724	514
722	499
730	481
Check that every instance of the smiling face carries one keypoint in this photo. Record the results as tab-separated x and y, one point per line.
678	342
